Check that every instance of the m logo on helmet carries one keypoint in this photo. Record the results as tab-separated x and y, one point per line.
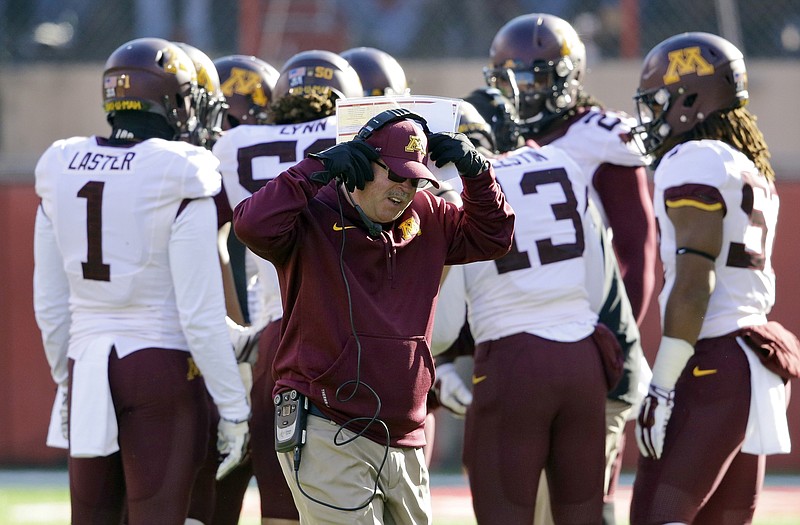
684	62
414	144
245	82
171	62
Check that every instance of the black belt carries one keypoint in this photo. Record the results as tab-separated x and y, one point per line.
314	411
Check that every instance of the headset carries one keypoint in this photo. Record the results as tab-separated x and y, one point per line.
374	124
387	117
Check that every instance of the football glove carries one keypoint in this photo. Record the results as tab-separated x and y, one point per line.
451	391
651	425
350	162
656	409
244	340
246	373
232	440
447	147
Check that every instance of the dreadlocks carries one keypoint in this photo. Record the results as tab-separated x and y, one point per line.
736	127
293	109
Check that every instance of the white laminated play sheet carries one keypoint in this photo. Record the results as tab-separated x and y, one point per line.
441	114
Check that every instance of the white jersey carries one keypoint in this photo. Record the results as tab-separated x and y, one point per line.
717	175
539	287
252	155
600	137
125	248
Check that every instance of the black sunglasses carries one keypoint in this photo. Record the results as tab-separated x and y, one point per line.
394	177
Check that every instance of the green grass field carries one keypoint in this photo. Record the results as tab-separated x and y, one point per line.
47	503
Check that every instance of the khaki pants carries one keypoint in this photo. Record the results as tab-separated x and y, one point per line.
617	413
345	477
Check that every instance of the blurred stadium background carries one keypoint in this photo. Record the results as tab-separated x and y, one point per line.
51	59
88	30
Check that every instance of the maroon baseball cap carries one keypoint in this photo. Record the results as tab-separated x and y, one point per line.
403	146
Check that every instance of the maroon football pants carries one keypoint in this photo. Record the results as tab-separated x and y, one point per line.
702	477
537	404
276	498
162	417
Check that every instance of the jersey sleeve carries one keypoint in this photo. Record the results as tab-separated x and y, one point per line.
201	178
607	136
451	310
201	305
692	175
625	196
51	296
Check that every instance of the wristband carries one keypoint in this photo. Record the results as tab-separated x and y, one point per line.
671	358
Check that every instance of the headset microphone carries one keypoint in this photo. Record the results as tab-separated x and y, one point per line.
373	228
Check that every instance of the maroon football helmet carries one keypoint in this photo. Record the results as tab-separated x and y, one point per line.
537	61
209	102
685	79
247	83
152	75
379	72
318	71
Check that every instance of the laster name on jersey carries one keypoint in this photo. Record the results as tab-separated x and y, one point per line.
91	161
308	127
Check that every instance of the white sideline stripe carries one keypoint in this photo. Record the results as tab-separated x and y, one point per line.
40	512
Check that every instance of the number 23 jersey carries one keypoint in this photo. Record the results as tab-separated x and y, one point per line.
712	175
539	287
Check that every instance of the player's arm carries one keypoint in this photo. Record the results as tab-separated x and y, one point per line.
698	241
696	214
232	305
51	297
625	195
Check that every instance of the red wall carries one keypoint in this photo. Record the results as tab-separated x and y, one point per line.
26	390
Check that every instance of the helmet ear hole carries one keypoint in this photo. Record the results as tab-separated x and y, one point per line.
689	100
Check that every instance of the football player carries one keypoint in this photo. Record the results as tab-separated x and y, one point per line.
128	294
209	104
713	410
538	62
214	501
539	383
265	142
380	73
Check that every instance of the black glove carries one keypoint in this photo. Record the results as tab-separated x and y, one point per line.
456	148
350	162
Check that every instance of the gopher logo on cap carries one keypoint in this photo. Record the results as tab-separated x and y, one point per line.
409	228
414	144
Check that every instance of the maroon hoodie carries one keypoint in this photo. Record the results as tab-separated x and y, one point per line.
328	266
